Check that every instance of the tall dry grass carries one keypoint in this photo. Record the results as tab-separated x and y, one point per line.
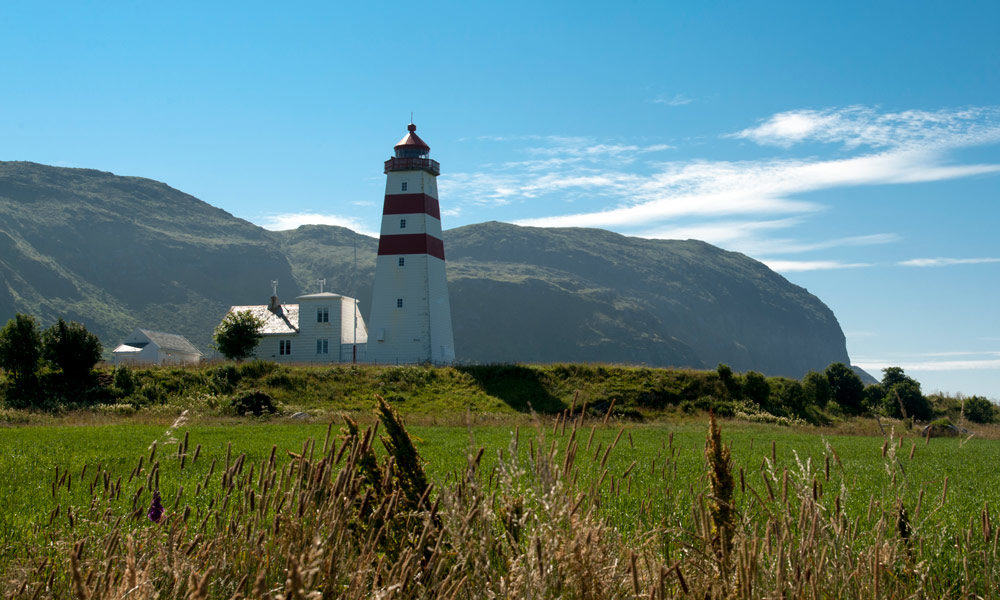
336	521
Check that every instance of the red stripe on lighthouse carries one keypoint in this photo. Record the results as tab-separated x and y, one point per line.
411	204
414	243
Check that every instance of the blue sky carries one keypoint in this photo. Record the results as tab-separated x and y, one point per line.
853	147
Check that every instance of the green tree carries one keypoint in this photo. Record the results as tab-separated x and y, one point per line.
873	397
893	375
238	334
846	388
728	381
902	393
980	410
71	348
791	396
20	349
816	388
756	388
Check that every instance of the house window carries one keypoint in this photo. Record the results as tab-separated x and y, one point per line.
399	303
402	223
322	346
404	186
284	347
402	261
322	314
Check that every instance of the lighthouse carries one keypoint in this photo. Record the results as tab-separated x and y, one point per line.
410	319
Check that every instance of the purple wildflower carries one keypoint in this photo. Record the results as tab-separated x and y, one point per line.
155	512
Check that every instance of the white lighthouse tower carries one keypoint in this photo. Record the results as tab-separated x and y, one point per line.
410	319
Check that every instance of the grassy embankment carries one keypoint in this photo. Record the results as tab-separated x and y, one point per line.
431	392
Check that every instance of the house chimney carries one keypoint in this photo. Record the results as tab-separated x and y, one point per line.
274	306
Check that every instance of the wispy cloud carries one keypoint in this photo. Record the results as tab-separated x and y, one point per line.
793	266
952	360
858	125
746	205
746	187
672	100
947	262
287	221
931	365
750	237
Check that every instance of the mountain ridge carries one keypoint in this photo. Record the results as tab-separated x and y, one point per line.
119	252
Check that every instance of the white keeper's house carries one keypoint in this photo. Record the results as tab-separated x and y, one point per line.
321	328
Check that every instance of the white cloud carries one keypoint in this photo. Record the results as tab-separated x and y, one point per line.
859	334
733	188
931	365
858	125
287	221
936	361
744	205
946	262
718	232
749	237
675	100
793	266
786	246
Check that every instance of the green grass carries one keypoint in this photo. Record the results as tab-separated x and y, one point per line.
668	476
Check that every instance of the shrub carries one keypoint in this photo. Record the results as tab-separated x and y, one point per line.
980	410
255	369
255	402
151	392
224	379
280	379
124	380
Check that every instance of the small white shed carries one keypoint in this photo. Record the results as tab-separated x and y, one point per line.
147	347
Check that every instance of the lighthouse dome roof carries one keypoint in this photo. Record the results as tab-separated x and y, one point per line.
412	140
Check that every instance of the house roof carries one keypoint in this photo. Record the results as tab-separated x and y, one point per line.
282	321
169	341
133	348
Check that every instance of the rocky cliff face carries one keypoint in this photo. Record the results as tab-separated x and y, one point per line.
120	252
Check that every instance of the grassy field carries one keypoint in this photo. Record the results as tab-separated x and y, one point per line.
647	482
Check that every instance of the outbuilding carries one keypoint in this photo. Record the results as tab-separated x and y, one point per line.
145	347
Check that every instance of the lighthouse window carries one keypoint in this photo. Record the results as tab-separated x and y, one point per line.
402	261
322	346
404	186
402	223
322	315
284	347
399	303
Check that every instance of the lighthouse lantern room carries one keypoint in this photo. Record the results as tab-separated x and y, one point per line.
410	319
